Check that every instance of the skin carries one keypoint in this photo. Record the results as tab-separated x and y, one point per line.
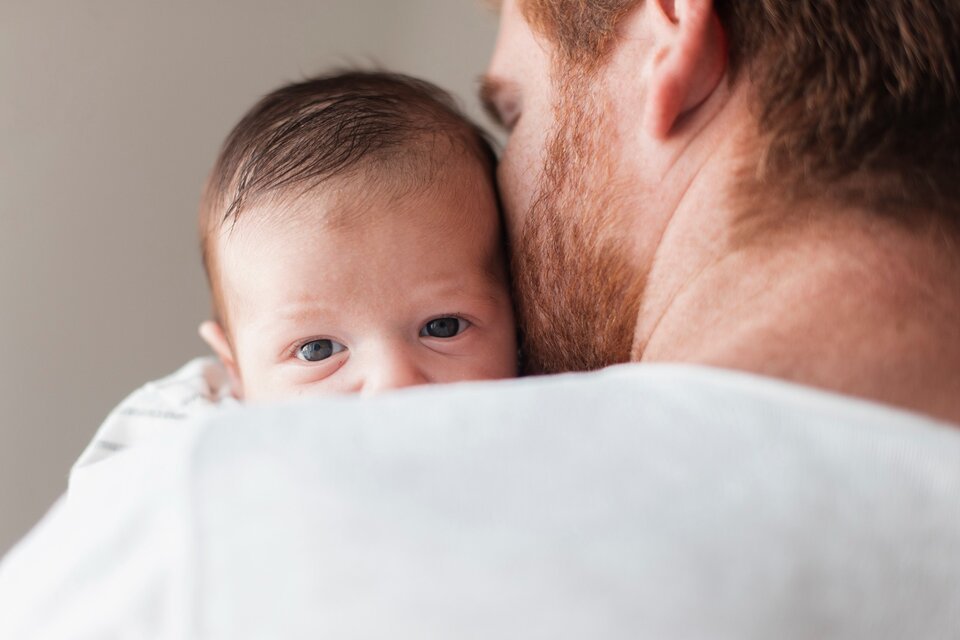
368	270
846	301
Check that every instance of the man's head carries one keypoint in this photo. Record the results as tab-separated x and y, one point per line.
352	242
615	108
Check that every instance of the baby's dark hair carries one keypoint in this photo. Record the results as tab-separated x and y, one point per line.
305	133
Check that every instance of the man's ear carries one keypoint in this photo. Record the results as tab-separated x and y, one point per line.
213	334
688	62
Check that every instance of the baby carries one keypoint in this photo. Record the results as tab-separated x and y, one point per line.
352	241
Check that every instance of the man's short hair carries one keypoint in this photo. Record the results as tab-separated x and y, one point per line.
855	101
340	124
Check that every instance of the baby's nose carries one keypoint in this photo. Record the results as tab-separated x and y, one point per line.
393	369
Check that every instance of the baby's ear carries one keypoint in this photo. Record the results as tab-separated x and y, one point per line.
213	334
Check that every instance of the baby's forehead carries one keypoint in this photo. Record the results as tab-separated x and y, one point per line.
355	243
457	203
370	194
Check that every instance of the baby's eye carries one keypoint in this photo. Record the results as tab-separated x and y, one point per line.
319	350
444	328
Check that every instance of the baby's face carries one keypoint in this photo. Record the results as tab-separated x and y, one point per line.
394	292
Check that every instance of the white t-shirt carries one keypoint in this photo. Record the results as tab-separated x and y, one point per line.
638	502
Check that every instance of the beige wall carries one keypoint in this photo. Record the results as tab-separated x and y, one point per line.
111	112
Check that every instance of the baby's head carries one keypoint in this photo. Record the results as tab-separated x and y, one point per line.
352	240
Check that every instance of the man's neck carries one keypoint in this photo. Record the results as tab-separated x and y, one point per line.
846	302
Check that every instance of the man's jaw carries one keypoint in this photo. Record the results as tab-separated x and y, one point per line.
578	292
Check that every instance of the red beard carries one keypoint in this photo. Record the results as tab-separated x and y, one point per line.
578	295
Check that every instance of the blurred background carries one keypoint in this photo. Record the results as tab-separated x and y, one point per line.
111	114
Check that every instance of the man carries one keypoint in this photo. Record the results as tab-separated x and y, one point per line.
757	186
762	186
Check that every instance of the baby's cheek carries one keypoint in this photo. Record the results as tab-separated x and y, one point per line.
278	383
258	388
496	358
507	362
505	355
329	378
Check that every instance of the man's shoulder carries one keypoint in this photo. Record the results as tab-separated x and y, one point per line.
712	420
640	500
677	501
648	397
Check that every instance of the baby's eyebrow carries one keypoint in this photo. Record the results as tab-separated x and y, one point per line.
300	312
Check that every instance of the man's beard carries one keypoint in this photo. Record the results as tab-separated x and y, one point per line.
578	295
